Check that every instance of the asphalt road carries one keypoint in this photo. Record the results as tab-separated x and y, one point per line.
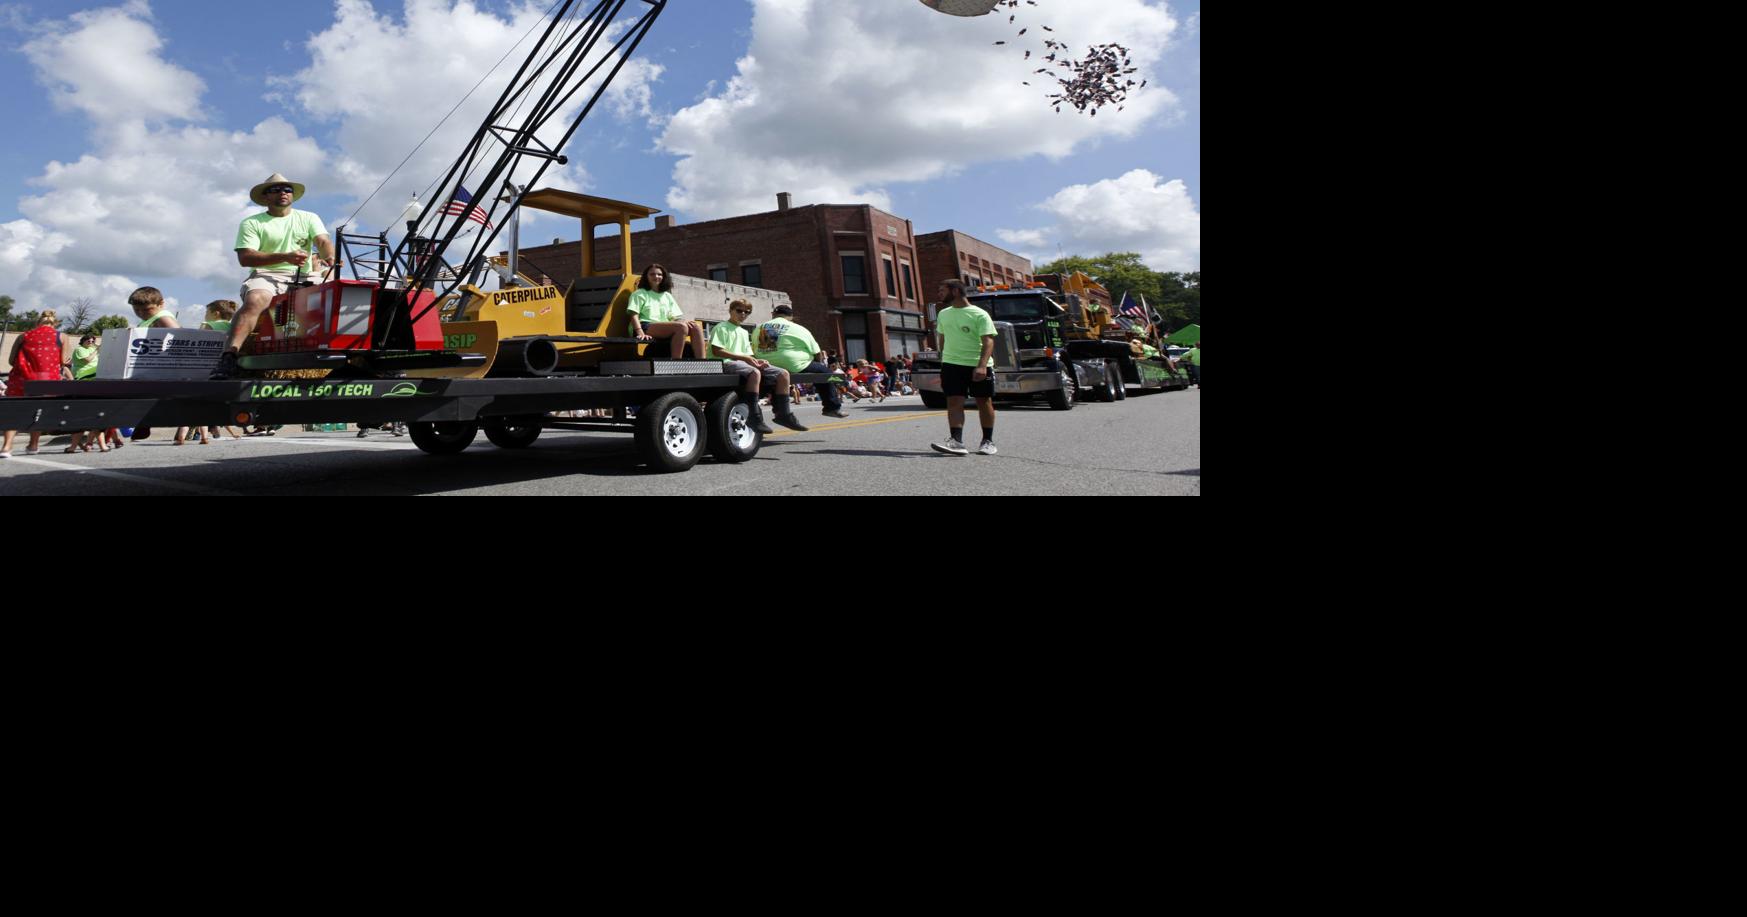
1146	445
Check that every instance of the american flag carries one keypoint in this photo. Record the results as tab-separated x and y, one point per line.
1132	310
462	206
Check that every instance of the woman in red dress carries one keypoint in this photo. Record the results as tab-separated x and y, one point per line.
36	358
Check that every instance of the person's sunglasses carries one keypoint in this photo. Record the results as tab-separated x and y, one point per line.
282	190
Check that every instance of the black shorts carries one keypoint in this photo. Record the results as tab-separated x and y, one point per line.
955	382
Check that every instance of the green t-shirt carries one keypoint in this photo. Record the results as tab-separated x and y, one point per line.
1195	356
655	307
1151	351
732	338
215	326
962	330
786	345
84	363
272	235
149	322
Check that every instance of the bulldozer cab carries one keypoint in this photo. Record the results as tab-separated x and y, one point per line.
595	304
588	322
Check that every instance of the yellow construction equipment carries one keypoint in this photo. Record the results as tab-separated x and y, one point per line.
539	330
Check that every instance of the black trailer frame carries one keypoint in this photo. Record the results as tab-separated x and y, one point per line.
697	412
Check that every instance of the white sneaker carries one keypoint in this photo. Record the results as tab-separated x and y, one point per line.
950	447
987	448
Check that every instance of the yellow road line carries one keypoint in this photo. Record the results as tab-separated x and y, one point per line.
860	423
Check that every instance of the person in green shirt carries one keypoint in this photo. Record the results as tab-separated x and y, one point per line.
1194	359
789	345
655	315
732	345
967	359
219	314
277	246
148	304
85	359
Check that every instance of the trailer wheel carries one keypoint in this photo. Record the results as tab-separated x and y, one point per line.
732	438
934	401
670	433
513	432
1117	381
443	438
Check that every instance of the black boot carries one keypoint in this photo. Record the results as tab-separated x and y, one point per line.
226	368
785	415
758	424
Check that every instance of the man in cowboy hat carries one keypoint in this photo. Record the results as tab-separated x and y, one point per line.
276	245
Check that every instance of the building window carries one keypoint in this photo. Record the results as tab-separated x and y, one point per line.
719	273
909	281
855	275
752	275
891	277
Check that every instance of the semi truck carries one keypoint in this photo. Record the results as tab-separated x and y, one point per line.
1057	344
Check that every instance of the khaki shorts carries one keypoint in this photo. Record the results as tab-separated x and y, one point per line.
273	283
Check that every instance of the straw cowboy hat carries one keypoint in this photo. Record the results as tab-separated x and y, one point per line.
297	190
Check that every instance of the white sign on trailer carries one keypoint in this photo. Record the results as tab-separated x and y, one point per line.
159	354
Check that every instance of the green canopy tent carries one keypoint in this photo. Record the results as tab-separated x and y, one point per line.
1187	336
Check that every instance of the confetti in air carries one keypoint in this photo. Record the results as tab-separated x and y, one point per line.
1102	77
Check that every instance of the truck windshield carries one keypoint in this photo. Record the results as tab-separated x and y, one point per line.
1014	308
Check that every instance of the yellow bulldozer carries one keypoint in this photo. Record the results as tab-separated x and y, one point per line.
541	329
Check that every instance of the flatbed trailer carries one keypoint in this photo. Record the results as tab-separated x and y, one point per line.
682	409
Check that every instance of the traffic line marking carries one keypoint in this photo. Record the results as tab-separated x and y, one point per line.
129	478
854	424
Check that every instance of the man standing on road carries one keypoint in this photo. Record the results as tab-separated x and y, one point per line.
276	245
967	359
1195	364
789	346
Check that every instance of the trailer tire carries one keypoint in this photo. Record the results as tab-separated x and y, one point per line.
670	433
1117	382
732	439
451	438
934	401
513	432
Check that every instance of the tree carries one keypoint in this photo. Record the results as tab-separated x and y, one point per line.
79	315
1119	272
106	323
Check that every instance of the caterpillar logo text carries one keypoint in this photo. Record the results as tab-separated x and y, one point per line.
522	295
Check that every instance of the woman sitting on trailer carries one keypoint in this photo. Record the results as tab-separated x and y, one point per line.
655	315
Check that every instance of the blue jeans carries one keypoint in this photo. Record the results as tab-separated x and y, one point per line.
827	391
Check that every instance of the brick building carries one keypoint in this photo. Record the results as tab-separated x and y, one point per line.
952	254
851	270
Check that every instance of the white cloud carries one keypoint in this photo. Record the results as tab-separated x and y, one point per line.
837	101
160	192
108	63
1139	212
358	79
156	196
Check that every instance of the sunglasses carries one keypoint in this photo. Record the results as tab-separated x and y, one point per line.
281	190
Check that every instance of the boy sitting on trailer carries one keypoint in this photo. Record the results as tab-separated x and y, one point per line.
733	345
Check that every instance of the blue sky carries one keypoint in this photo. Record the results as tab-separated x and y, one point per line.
711	138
